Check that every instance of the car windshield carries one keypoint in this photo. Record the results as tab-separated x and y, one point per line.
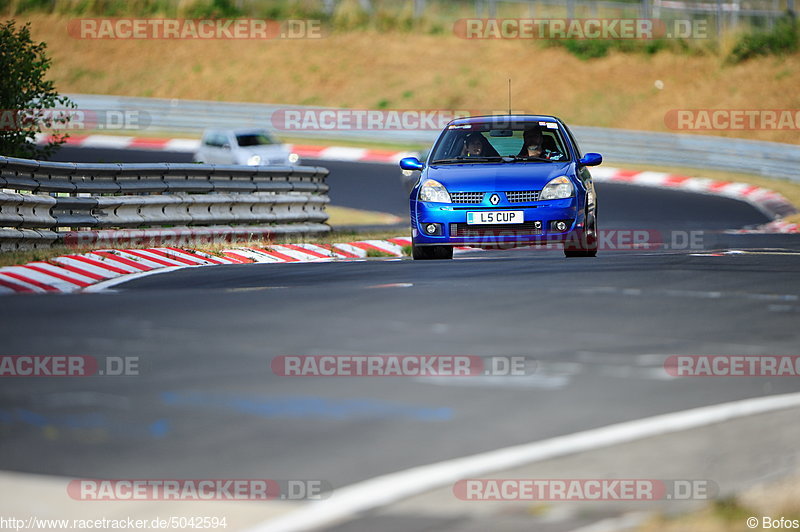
254	139
489	142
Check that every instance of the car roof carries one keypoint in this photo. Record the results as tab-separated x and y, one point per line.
506	118
241	131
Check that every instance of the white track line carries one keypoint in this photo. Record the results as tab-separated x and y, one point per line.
339	153
347	503
106	141
184	145
109	283
615	524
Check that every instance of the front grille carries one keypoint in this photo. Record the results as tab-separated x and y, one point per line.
466	197
523	196
497	230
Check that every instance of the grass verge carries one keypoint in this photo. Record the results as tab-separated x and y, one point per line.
345	216
781	499
369	69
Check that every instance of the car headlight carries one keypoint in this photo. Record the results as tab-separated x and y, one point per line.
293	158
432	190
254	160
558	188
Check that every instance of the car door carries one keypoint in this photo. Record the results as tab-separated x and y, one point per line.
211	148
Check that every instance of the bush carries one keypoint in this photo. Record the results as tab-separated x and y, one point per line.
214	9
586	49
783	39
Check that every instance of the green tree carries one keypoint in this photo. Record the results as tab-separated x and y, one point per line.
26	98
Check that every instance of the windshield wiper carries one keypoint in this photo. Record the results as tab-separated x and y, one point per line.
513	158
468	160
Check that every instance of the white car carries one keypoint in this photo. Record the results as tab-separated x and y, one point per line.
252	147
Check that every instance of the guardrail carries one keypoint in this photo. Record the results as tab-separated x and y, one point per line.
770	159
45	203
698	151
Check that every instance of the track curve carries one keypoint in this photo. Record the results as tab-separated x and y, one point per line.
206	403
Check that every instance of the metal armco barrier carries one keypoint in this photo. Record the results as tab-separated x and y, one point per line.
769	159
44	203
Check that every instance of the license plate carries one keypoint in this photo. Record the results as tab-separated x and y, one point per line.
495	217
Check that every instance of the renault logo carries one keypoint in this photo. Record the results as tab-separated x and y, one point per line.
494	199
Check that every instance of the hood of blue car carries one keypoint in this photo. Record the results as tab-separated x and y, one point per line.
474	177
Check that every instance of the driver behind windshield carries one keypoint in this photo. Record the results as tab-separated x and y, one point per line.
532	146
473	145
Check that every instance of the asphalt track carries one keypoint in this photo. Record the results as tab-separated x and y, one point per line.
206	403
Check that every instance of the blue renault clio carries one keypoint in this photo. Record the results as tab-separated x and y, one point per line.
503	181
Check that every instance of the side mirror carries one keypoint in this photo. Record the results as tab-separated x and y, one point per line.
411	163
591	159
226	146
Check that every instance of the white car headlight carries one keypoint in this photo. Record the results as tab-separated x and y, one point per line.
558	188
432	190
293	158
254	160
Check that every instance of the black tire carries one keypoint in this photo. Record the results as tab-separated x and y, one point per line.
431	252
587	245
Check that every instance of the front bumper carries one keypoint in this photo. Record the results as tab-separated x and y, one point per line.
453	229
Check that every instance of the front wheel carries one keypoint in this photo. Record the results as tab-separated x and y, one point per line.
431	252
586	245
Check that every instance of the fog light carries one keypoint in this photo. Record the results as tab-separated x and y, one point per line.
561	226
431	229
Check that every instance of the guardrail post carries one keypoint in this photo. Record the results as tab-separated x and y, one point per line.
647	11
